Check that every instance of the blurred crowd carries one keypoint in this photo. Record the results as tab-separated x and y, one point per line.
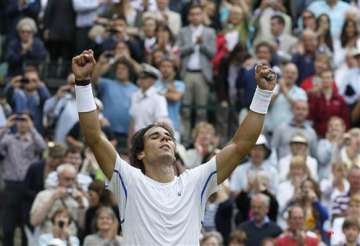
190	64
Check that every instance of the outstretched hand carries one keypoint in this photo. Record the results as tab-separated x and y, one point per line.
83	65
265	77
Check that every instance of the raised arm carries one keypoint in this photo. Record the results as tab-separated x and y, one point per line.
245	137
105	154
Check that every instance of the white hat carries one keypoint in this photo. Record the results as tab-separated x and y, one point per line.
262	141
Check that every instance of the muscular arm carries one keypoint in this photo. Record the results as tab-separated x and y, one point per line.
105	154
247	134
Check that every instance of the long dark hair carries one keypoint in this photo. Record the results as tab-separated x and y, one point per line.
137	144
328	38
344	38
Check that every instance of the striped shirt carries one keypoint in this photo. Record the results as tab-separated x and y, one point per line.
340	205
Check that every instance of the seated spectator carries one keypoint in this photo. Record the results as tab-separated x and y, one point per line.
28	93
325	40
66	195
352	212
61	221
349	153
25	49
204	146
298	146
60	111
258	163
309	198
351	229
98	197
260	226
173	90
341	202
329	147
106	225
334	184
286	93
74	157
327	103
237	238
282	134
297	173
37	173
147	106
212	238
295	234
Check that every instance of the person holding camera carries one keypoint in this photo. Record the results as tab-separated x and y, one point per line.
27	93
60	230
66	195
20	150
60	112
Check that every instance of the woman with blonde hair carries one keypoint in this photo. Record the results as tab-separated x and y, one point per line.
106	226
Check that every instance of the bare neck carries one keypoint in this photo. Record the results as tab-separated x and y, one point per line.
163	172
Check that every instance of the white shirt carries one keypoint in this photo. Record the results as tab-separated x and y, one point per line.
154	213
148	108
194	60
83	180
284	167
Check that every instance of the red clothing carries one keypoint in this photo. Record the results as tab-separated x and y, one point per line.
286	240
321	111
307	84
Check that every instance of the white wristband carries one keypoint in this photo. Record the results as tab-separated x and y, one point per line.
261	101
85	101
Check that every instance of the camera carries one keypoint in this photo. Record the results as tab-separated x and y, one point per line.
20	118
70	191
24	81
109	55
61	224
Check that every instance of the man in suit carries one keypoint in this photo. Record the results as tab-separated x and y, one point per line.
197	47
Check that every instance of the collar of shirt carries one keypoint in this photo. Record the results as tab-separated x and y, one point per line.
149	92
24	138
263	223
292	124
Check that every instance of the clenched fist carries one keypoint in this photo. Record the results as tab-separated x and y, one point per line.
83	65
265	77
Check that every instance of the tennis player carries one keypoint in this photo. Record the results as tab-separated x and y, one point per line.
156	206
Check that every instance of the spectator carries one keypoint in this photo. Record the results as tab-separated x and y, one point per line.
170	18
237	238
259	227
165	40
349	153
341	202
325	41
61	221
245	174
312	84
5	109
282	135
329	147
65	195
352	212
106	227
336	184
60	111
147	106
299	147
351	229
211	239
297	173
86	13
284	97
19	150
308	20
73	156
59	35
335	9
204	146
28	94
25	49
304	57
309	198
149	32
196	70
173	90
111	90
295	234
98	197
37	173
327	103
